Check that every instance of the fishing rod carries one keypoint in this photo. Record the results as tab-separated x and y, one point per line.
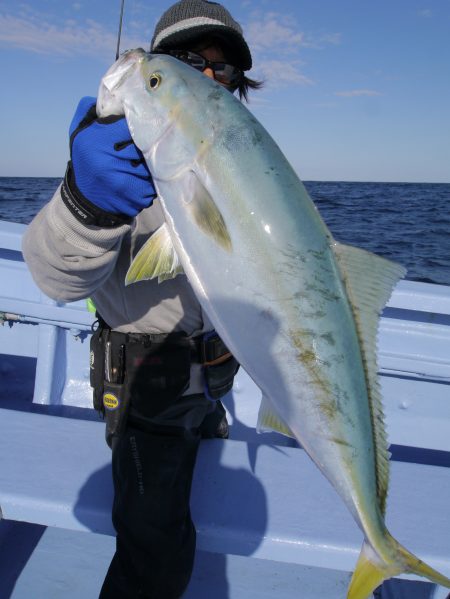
120	29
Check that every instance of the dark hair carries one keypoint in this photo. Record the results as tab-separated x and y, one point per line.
245	84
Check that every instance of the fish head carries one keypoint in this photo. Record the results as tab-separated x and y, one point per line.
165	104
112	86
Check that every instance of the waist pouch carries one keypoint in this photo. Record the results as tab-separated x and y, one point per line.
219	367
148	371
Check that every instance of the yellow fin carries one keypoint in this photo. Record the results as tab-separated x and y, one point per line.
371	570
369	280
156	258
206	214
369	573
268	421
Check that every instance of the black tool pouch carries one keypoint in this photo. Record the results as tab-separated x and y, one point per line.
219	366
219	377
110	392
116	402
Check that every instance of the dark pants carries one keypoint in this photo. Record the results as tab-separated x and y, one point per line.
153	465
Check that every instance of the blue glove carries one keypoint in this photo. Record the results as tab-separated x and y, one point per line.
107	182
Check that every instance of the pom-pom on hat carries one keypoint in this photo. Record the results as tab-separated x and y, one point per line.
190	20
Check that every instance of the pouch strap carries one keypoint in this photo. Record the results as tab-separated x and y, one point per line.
211	349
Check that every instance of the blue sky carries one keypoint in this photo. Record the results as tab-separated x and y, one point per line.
356	90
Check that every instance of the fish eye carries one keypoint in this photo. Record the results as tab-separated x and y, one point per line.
154	80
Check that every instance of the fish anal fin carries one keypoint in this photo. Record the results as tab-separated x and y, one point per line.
268	421
369	280
156	258
206	214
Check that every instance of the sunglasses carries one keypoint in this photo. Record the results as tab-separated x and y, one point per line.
223	73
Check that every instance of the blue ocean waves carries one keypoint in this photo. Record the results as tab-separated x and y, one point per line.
405	222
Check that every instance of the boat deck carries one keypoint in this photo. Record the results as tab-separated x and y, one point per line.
269	525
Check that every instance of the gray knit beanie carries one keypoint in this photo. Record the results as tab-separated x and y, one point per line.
190	20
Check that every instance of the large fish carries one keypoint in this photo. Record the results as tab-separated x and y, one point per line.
298	310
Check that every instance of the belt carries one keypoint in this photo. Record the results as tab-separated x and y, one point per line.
207	349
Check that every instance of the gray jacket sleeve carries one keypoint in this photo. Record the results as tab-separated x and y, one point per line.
67	259
70	261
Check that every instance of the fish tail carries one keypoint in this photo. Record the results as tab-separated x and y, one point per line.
371	569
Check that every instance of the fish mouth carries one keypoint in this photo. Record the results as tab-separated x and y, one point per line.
109	101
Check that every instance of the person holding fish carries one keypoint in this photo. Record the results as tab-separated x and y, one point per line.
158	369
295	307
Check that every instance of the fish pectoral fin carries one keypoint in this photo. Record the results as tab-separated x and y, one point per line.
156	258
268	421
205	213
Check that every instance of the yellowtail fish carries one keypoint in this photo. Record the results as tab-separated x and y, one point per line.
299	310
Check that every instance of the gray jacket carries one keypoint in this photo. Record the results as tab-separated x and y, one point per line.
70	261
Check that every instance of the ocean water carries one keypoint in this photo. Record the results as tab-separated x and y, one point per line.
406	222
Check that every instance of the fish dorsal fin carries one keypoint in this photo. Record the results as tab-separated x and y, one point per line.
205	212
369	280
268	421
156	258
